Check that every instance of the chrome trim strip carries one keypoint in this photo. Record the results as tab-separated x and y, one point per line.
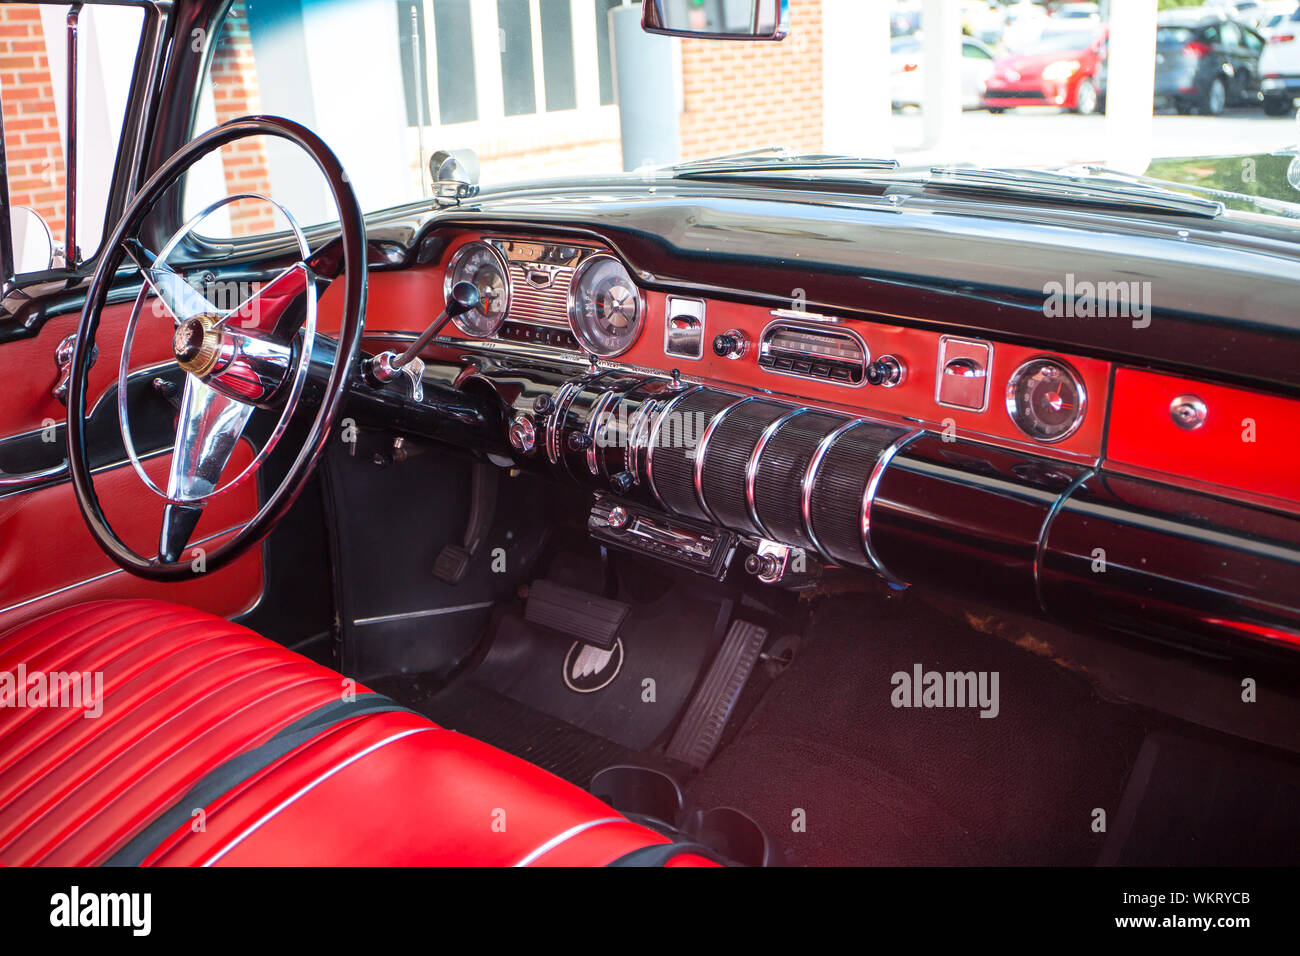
71	254
294	798
637	427
412	615
702	449
869	499
533	855
598	412
108	574
59	479
810	479
1040	547
555	423
751	469
654	437
30	479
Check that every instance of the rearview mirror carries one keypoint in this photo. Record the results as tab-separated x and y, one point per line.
717	19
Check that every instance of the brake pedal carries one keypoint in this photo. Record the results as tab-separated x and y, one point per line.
587	617
700	730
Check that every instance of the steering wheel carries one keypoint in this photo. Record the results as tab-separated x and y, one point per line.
256	355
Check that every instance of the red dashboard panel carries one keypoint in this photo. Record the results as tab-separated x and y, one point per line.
1247	442
408	300
1142	437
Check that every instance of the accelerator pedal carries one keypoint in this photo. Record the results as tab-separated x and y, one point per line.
700	730
588	618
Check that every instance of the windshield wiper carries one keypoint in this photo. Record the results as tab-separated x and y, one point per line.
776	159
1280	206
1063	187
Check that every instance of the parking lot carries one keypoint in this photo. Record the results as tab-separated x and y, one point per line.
1026	137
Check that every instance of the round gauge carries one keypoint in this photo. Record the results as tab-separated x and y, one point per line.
1046	399
480	264
605	306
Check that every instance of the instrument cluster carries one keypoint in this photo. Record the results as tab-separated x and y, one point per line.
526	284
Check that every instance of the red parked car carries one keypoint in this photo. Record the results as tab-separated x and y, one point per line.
1059	69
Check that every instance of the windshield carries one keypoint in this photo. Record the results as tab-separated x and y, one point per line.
534	91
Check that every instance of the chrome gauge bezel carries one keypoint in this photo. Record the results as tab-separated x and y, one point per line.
1013	386
449	279
574	313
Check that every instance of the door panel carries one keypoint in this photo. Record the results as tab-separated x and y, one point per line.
29	372
47	556
48	559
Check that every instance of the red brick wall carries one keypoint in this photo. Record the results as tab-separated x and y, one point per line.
235	93
33	148
745	95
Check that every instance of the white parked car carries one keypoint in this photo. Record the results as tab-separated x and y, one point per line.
1279	65
907	87
1277	15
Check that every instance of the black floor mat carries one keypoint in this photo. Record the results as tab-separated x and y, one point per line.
665	646
563	749
838	775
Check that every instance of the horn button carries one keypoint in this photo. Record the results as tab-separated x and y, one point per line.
196	344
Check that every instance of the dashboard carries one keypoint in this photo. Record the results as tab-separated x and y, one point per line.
713	427
575	301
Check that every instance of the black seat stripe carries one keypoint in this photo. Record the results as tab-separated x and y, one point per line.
225	778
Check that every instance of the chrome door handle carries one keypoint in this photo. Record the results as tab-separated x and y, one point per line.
63	360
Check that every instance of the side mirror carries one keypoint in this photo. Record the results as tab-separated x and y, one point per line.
33	244
717	19
455	174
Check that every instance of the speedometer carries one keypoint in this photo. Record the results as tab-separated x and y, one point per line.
1046	399
605	306
482	266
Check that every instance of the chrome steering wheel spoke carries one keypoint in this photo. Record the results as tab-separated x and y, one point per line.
235	360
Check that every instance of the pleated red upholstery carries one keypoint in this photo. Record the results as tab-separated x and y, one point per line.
184	692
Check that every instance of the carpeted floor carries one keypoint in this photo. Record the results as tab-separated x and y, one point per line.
840	776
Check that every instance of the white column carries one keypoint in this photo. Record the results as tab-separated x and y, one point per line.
1130	84
855	76
941	60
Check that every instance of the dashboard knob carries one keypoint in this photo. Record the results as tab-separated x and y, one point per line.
522	435
579	441
623	482
542	404
761	565
886	371
731	344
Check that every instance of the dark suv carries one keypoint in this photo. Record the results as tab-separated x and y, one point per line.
1205	61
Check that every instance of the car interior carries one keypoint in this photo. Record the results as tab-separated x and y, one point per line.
758	512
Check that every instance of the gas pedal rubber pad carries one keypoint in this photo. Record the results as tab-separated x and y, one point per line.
700	731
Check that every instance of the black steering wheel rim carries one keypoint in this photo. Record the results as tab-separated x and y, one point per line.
352	232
